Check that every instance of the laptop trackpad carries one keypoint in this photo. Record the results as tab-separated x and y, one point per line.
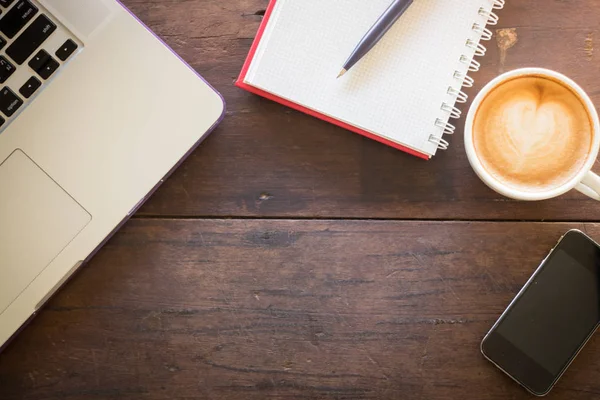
38	219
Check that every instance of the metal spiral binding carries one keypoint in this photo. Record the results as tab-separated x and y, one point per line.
477	48
453	111
460	96
485	33
442	144
473	64
463	79
446	127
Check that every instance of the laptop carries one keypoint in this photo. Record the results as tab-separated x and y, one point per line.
95	112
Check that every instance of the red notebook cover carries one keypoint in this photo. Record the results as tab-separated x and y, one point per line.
240	83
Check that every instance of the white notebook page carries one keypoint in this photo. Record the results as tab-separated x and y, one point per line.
397	90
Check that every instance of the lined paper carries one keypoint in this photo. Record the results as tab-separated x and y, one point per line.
397	90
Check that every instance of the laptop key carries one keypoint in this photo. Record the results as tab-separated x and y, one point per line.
31	39
2	42
29	88
2	121
17	18
6	69
48	68
66	50
6	3
37	62
9	102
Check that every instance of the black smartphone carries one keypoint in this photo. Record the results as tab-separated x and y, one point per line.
552	318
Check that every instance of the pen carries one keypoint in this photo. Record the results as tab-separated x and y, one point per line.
377	31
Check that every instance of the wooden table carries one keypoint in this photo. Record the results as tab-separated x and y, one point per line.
290	259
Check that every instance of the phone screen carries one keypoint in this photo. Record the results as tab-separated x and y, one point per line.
552	318
556	314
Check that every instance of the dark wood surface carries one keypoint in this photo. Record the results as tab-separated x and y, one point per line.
288	309
290	259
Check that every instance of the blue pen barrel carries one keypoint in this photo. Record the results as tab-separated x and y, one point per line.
378	30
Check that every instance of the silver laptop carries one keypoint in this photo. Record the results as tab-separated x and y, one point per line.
95	112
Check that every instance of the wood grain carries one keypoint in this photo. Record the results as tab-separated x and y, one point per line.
221	309
268	161
184	305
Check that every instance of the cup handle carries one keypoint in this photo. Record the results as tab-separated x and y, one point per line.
590	185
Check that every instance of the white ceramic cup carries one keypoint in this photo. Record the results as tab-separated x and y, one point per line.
585	181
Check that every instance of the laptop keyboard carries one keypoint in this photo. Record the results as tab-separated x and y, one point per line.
33	47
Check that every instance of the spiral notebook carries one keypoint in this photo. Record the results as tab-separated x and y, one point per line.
403	93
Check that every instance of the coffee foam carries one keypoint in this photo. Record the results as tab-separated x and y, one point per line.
532	133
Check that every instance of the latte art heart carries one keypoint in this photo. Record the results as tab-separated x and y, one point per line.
532	133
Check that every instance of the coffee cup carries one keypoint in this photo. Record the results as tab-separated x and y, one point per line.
534	134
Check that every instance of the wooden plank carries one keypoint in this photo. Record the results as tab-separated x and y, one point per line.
235	309
266	160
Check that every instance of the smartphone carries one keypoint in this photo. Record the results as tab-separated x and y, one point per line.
552	318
